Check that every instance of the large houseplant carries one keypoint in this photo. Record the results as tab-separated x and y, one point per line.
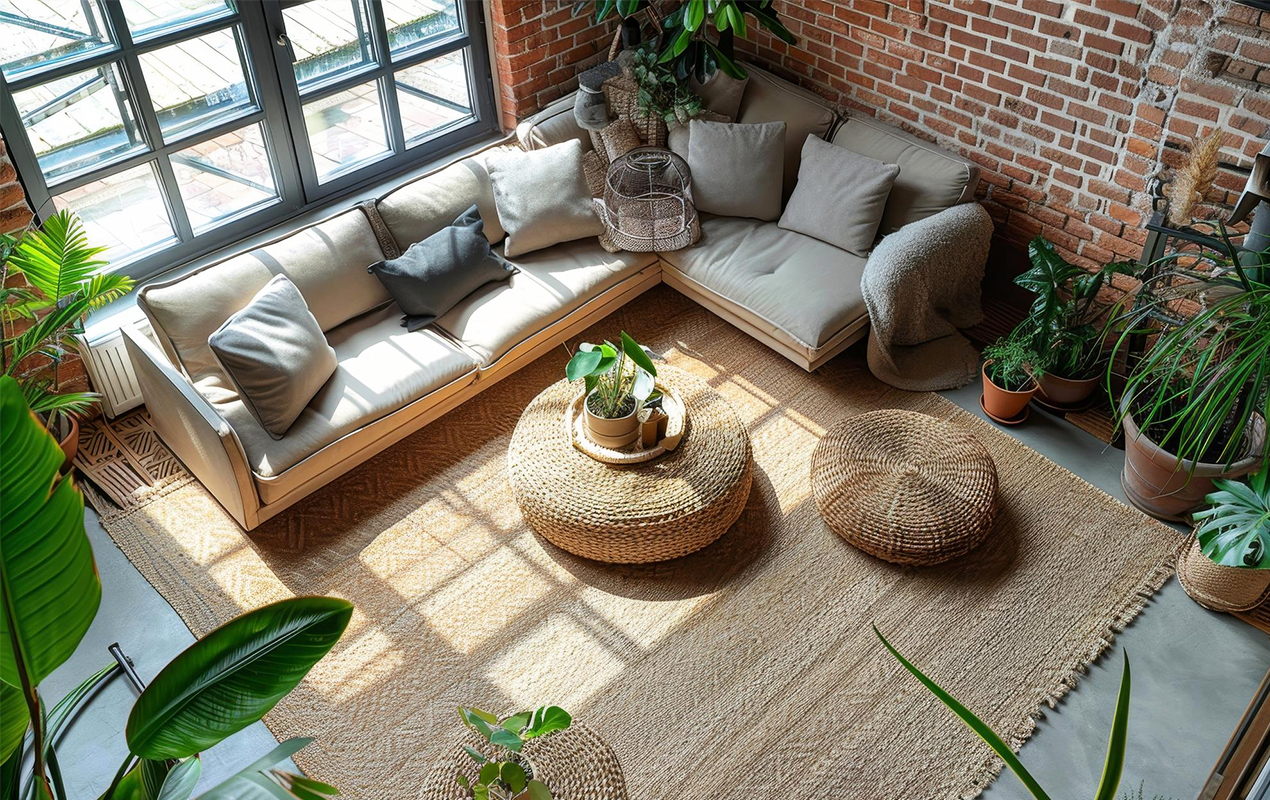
1195	404
618	380
50	593
1227	567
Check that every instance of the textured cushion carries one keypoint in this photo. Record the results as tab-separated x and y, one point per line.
433	275
416	210
721	94
275	354
931	179
548	284
806	288
326	262
542	197
553	125
768	98
736	169
840	196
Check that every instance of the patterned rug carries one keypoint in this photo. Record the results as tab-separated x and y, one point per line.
747	667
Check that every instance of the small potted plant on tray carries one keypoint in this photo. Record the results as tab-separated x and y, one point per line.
1227	567
1009	378
619	379
507	773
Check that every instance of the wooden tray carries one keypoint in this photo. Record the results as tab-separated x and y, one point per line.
633	453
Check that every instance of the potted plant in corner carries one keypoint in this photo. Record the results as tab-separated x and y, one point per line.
1227	566
504	771
1009	378
618	381
38	325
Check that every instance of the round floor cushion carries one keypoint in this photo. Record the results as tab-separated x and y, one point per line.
905	487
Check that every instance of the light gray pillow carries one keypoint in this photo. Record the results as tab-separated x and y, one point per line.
737	170
840	196
542	197
274	352
721	94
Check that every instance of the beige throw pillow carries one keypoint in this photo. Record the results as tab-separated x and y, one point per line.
840	196
274	352
737	169
721	94
542	197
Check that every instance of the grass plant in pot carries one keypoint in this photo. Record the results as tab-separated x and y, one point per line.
619	379
1065	325
1196	401
1009	378
1227	566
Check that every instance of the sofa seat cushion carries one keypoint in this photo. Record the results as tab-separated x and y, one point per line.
802	286
550	283
381	368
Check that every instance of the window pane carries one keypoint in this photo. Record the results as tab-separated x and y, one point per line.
224	176
38	34
151	17
413	22
79	121
196	82
327	37
123	212
432	95
345	129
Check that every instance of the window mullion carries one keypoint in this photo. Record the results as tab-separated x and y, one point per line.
387	88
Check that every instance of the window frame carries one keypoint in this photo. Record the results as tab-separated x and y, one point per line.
279	109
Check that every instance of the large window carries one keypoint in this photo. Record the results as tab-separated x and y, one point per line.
173	127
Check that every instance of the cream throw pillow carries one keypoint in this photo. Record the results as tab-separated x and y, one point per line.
840	196
542	197
737	170
274	352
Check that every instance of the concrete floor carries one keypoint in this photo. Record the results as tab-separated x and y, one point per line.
1194	671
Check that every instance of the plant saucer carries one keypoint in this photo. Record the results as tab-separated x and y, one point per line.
1015	420
1057	408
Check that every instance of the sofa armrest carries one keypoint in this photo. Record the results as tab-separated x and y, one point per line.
194	431
552	125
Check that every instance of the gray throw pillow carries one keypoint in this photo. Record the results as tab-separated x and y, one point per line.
432	276
840	196
737	169
542	197
274	352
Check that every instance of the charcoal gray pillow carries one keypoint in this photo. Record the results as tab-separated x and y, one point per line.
432	276
542	197
840	196
274	352
737	170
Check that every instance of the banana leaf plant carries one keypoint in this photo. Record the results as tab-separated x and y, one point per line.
49	595
1113	766
1234	529
616	374
509	778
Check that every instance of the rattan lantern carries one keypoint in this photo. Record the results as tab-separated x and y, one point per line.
647	205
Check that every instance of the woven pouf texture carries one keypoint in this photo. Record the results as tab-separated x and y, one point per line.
632	514
576	764
905	487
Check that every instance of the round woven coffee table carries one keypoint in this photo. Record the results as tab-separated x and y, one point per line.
632	514
905	487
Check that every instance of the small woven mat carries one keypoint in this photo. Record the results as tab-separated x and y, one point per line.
640	513
125	460
576	764
904	486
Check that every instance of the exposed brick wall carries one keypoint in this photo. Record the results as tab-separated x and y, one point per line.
1068	105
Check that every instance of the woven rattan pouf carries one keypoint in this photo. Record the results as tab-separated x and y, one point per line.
638	513
905	487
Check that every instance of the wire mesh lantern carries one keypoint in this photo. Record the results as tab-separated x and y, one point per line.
647	205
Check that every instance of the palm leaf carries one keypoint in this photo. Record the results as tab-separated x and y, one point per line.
250	783
14	721
57	258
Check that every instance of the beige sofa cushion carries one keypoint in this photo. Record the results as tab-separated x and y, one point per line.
800	285
382	367
931	179
737	168
550	284
416	210
840	196
767	98
542	197
327	262
553	125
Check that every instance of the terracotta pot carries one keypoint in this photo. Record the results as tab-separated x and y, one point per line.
1066	392
1002	403
611	432
1219	587
66	430
1157	483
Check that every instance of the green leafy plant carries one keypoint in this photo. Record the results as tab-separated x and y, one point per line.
49	595
1234	530
662	94
1113	766
618	379
510	775
1062	324
66	274
1011	363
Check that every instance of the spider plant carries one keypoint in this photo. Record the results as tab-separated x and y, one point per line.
1234	530
618	379
1011	363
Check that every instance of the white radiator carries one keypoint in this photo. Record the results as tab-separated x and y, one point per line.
110	371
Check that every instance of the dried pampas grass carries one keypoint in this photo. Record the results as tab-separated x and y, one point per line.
1192	181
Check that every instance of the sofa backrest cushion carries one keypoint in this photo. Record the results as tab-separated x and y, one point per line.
553	125
326	261
768	98
418	209
931	178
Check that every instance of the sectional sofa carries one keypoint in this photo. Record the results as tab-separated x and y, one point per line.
798	295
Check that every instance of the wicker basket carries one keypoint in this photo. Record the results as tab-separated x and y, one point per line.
905	487
1219	587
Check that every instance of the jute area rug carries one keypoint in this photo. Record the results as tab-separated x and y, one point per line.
746	670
